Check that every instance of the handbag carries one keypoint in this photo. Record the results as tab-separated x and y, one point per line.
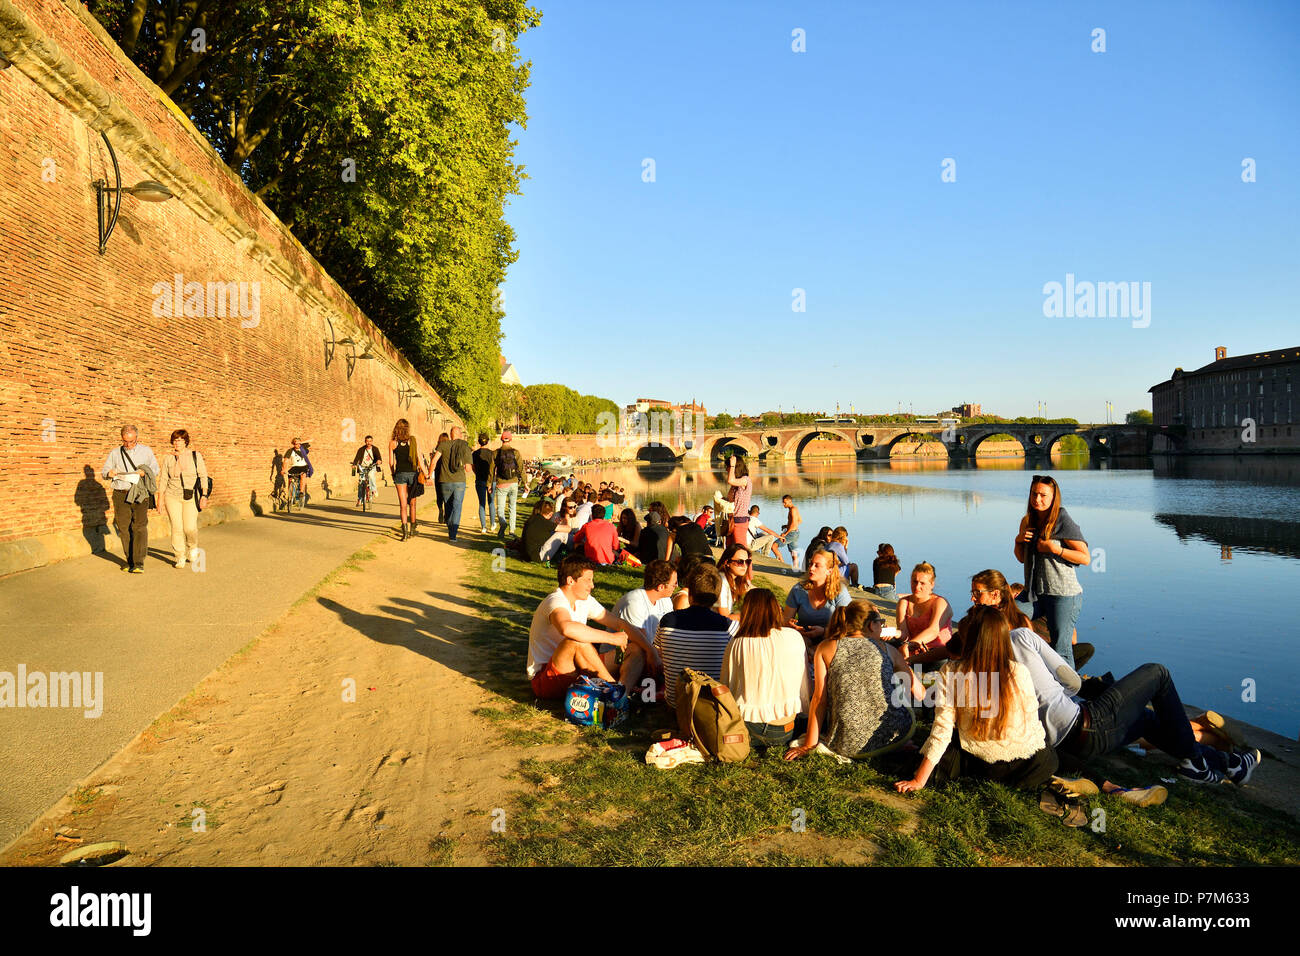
153	500
197	491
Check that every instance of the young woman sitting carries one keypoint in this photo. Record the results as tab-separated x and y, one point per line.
924	619
855	706
810	603
884	569
839	546
767	672
735	565
1120	714
987	696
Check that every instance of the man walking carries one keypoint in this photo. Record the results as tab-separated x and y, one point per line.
506	472
133	469
454	468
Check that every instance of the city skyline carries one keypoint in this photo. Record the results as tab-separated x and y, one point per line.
1101	227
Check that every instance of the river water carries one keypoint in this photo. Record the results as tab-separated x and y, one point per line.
1196	562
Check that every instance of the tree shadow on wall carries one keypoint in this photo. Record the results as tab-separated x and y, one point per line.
92	499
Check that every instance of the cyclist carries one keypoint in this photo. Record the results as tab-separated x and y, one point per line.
297	465
367	459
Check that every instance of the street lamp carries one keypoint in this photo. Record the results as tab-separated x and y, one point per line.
147	190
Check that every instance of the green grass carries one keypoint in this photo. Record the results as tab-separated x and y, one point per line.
604	806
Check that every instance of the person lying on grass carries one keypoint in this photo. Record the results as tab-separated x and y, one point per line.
561	645
1116	717
988	697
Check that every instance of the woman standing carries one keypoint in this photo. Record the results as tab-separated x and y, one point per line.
404	460
924	619
884	570
765	668
741	488
182	470
988	698
1051	545
854	699
810	603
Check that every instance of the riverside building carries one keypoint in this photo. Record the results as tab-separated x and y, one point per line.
1242	404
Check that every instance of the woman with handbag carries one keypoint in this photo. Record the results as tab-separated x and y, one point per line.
407	467
183	489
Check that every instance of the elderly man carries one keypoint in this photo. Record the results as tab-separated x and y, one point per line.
455	467
133	470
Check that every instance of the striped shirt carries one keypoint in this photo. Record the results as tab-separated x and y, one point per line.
695	637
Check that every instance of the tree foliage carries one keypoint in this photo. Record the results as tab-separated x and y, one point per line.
1140	416
558	409
378	131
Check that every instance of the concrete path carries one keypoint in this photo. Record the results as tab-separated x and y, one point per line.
153	636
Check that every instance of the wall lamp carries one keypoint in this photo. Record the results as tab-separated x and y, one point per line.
353	358
148	190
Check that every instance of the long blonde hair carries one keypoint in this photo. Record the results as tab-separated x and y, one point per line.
833	580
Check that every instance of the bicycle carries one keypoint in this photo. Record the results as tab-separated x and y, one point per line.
364	494
294	494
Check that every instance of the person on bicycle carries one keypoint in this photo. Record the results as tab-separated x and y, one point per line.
367	459
297	465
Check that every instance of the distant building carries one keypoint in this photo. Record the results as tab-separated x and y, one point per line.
966	411
1239	404
508	374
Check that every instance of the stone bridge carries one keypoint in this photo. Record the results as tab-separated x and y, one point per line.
878	441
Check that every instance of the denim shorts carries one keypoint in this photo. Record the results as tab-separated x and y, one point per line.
791	539
403	477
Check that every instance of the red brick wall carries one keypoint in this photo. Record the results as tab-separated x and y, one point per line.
81	351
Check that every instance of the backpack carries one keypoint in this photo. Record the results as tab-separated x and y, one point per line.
592	702
506	472
710	717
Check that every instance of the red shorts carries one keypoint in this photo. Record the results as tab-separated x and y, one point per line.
550	684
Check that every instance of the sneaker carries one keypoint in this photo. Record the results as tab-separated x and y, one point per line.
1080	787
126	567
1198	771
194	554
1241	764
135	570
1140	796
180	563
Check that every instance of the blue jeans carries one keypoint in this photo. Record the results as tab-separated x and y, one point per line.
453	496
487	505
885	591
1062	614
506	498
772	735
1120	716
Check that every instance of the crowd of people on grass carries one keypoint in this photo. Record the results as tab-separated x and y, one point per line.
822	672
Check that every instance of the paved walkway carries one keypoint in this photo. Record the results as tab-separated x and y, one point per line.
154	636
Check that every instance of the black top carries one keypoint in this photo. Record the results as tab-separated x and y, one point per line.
692	540
813	545
653	544
536	531
482	464
882	575
402	457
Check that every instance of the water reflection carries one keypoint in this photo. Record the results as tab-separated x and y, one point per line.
1261	535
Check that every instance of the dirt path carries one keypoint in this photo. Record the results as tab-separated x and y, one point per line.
287	770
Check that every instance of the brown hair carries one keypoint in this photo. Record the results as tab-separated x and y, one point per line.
574	566
850	619
657	573
925	567
739	583
994	581
402	430
841	535
886	554
833	580
761	614
986	650
1045	526
705	585
742	468
180	433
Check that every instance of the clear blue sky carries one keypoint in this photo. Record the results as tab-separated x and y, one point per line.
777	170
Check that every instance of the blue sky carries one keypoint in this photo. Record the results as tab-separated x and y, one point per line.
776	170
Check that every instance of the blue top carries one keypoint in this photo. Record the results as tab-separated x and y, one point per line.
1056	709
837	549
809	616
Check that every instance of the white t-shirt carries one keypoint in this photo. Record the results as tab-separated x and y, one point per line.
543	638
724	598
295	459
636	608
583	515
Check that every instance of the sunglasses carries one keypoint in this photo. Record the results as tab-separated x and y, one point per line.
742	561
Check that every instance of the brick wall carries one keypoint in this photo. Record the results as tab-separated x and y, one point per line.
81	348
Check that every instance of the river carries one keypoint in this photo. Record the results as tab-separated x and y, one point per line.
1196	561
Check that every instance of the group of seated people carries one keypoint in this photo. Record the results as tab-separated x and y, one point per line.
1006	706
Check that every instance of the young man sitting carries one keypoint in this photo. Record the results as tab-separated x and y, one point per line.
598	538
537	530
696	636
561	645
645	607
761	537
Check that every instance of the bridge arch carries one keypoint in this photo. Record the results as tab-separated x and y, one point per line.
795	446
653	452
712	446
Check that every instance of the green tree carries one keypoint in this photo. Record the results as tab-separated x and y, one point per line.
379	132
1140	416
722	420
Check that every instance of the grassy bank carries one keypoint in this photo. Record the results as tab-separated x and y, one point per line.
606	807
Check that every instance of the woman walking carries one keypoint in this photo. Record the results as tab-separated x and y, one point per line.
182	489
404	461
1051	545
